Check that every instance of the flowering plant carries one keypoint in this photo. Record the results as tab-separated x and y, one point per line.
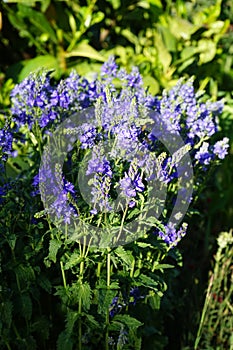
116	169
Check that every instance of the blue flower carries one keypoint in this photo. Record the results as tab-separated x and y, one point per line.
221	147
88	136
6	140
203	155
109	69
171	235
132	183
101	182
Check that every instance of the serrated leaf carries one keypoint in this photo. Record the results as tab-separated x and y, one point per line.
148	282
73	260
125	256
114	285
25	274
6	312
44	283
105	297
128	321
26	306
41	326
82	291
71	319
92	323
54	246
64	342
115	326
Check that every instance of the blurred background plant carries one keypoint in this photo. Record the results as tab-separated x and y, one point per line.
215	330
166	40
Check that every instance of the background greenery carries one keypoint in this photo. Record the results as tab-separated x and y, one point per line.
166	40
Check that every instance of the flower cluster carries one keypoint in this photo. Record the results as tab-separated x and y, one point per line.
123	115
99	166
36	100
172	236
119	303
6	139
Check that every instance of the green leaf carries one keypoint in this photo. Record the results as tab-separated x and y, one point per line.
128	321
137	273
92	323
11	239
54	246
148	282
125	256
44	283
144	245
181	28
155	3
169	39
44	5
6	308
26	306
105	297
72	317
46	61
114	285
73	260
115	326
133	212
154	300
82	292
64	342
164	56
207	49
153	221
25	274
97	17
151	84
162	266
85	50
39	20
186	63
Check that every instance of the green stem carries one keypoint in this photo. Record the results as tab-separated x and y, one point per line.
83	254
122	222
63	274
108	268
7	345
208	295
16	332
108	287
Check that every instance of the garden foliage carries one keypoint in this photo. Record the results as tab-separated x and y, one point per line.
60	290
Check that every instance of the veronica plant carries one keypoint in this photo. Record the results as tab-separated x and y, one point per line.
116	169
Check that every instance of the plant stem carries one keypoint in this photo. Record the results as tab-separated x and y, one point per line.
108	287
208	294
83	254
63	274
122	222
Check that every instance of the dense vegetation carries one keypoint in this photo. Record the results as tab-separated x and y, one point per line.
58	293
